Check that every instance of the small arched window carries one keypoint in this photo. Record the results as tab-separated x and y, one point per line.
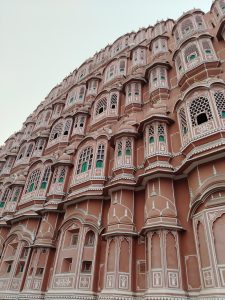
33	181
62	175
56	131
85	160
101	106
119	149
89	239
67	127
29	150
220	103
113	101
191	53
22	152
122	66
151	134
81	93
128	147
161	133
199	22
45	178
183	121
187	26
100	156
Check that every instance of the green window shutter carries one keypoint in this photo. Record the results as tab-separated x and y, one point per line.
128	152
2	204
223	114
151	140
31	187
99	164
61	179
162	77
43	185
119	153
71	99
208	51
84	167
185	130
192	56
161	138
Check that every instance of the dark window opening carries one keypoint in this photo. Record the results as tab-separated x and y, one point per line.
202	118
55	136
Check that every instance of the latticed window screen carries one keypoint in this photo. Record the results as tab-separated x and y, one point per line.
62	175
40	144
113	101
161	133
100	156
119	148
29	150
179	63
137	89
5	195
85	160
9	162
162	74
200	107
67	127
33	181
101	106
56	131
55	175
151	134
81	94
45	178
82	119
22	152
122	66
199	21
183	121
128	147
191	53
15	194
206	47
186	26
220	103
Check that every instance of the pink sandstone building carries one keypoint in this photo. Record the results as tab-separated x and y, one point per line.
114	188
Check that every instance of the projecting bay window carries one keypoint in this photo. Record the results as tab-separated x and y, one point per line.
133	93
115	69
156	139
124	152
158	78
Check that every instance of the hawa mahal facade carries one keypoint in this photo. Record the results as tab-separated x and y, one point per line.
114	188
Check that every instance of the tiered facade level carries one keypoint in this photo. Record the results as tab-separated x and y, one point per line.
114	188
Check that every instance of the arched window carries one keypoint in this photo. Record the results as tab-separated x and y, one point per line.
207	47
200	111
122	66
67	127
62	175
128	147
187	27
21	153
5	197
137	89
89	239
199	22
222	4
101	106
85	160
151	134
119	149
191	53
113	101
220	103
81	93
183	121
45	178
100	156
161	133
179	64
16	194
56	131
33	181
29	150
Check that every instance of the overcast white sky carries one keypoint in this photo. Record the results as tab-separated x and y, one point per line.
42	41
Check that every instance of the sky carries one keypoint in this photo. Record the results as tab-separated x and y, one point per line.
42	41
